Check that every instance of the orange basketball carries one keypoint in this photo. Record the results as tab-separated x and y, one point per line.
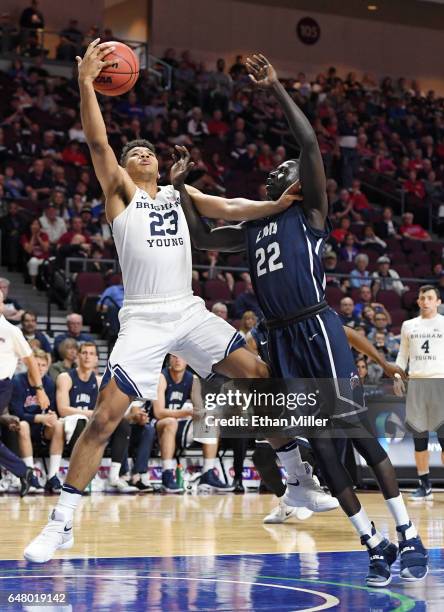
121	75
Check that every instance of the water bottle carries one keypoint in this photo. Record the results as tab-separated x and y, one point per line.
179	475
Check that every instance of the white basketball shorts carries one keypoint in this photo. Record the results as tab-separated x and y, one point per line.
152	328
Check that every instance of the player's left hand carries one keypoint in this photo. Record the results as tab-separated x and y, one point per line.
260	71
290	195
181	167
391	369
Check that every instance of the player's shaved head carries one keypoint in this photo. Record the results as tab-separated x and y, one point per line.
281	178
133	144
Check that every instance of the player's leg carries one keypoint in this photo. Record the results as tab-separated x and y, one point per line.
424	491
118	445
16	466
142	441
440	432
208	343
167	429
55	436
209	481
25	435
85	460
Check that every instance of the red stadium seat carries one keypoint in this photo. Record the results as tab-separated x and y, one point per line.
334	295
89	284
434	247
423	271
196	287
393	245
345	267
419	258
216	290
403	269
411	246
398	317
390	299
409	299
239	287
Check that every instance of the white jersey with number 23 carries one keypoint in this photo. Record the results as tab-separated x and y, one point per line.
153	245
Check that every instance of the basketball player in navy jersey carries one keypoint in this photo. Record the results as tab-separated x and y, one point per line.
160	314
306	338
176	389
77	392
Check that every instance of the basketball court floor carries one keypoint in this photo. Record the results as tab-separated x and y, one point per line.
176	553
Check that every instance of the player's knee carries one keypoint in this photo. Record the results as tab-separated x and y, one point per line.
101	425
24	430
170	424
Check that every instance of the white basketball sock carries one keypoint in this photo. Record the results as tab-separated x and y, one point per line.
29	462
54	465
114	471
168	464
209	464
363	526
399	512
290	457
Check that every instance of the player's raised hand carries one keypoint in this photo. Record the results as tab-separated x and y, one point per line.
90	65
181	167
260	71
290	195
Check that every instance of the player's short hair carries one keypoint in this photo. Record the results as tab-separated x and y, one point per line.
140	142
425	288
86	344
40	354
28	313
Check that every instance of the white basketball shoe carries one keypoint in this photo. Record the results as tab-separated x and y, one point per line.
56	535
307	492
282	513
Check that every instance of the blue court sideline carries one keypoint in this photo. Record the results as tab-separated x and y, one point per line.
281	582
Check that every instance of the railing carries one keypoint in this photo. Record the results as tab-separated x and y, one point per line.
79	260
27	44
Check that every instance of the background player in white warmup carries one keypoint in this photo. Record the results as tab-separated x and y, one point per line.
422	350
160	314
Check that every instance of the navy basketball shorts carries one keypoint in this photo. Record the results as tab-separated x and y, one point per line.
317	348
38	435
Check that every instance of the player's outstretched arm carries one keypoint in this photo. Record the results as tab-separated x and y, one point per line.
111	176
362	345
312	173
241	209
227	239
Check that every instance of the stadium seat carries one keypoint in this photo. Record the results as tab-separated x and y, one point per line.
390	299
216	290
409	299
196	287
239	287
398	317
87	284
411	246
434	247
417	258
334	296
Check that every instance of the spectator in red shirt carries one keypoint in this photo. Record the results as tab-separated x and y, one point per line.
35	244
414	186
411	230
217	126
76	241
73	155
341	232
358	199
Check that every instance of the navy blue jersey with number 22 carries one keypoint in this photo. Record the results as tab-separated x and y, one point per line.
285	259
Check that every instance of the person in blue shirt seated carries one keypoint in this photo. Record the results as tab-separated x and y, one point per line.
30	331
109	304
74	323
38	428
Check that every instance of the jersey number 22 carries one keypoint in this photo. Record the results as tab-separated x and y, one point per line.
267	259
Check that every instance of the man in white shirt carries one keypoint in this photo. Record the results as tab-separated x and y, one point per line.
13	347
52	224
422	349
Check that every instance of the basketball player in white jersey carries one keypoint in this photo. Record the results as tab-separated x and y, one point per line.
422	350
160	314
